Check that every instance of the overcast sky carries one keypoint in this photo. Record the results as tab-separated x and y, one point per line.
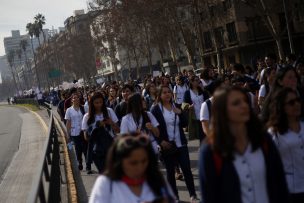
15	14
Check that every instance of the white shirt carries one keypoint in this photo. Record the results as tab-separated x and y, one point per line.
119	192
39	96
262	91
86	107
99	117
128	125
204	112
169	117
75	116
197	103
180	92
291	148
206	82
251	170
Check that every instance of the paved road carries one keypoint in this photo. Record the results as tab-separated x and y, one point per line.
10	131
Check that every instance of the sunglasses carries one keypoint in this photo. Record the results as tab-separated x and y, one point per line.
292	102
130	141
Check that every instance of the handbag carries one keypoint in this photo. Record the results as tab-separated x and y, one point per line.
173	149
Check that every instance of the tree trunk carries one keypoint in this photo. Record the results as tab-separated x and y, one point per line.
36	71
278	42
14	78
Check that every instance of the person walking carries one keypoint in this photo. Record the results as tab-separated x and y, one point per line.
73	117
239	163
288	134
131	174
172	140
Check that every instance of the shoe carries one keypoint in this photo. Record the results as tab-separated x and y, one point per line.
89	170
179	176
80	167
194	199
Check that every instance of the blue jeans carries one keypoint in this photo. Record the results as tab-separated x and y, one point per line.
181	158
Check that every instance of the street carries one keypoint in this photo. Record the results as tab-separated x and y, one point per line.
10	131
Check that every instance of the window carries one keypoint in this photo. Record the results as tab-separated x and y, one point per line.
218	32
232	35
211	11
207	40
226	5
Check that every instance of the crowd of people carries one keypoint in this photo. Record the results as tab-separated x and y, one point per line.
248	122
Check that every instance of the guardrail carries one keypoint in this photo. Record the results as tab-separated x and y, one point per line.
46	185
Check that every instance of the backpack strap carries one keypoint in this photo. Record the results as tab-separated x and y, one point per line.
218	163
208	102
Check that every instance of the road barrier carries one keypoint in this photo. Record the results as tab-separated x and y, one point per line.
47	183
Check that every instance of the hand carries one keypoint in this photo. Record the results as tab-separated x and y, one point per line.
191	106
165	145
102	123
149	126
108	121
176	110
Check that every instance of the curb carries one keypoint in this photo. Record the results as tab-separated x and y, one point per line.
71	183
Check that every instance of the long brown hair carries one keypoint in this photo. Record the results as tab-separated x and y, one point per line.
221	139
278	120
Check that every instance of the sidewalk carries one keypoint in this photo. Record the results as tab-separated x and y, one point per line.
17	181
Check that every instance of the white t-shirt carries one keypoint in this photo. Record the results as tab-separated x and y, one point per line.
251	169
98	117
262	91
180	92
39	96
206	82
128	125
75	116
105	191
169	117
197	103
291	148
204	112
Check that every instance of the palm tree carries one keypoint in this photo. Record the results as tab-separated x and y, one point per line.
23	46
10	60
40	21
30	29
36	30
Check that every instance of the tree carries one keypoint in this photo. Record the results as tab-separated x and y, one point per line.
23	46
30	29
40	21
267	10
10	60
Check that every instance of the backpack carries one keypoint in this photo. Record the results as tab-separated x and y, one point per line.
102	139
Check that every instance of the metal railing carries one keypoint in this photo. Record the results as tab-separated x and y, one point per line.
47	183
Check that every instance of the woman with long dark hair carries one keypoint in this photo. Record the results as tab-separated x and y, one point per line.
151	95
132	174
172	140
193	99
288	133
285	77
267	84
139	120
99	117
239	163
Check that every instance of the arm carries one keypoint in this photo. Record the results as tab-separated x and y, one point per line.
205	126
68	127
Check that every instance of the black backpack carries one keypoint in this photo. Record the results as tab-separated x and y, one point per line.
102	139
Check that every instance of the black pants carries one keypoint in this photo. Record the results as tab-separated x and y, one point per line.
297	198
99	161
80	147
181	158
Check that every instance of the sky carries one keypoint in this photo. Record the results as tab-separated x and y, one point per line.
15	14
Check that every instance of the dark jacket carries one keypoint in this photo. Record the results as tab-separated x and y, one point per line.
121	110
218	186
163	134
